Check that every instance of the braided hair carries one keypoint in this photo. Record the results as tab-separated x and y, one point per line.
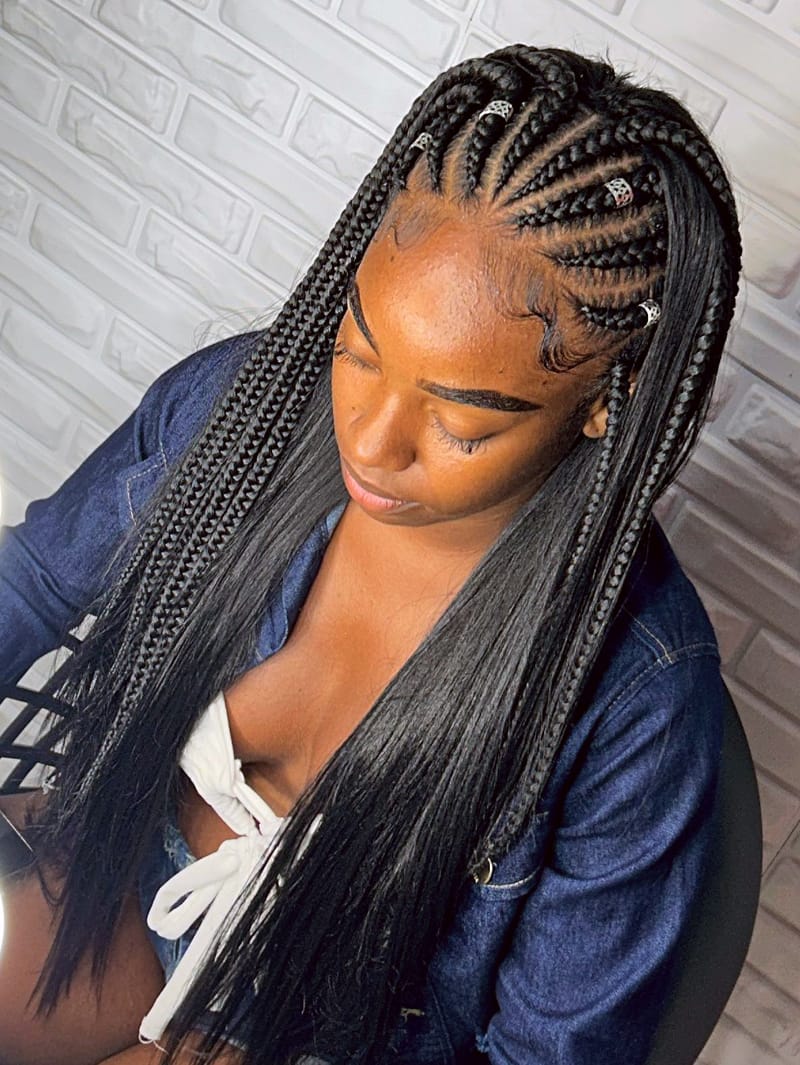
509	664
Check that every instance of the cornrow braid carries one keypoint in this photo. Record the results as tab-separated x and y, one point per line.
443	121
516	89
592	200
640	129
644	251
446	114
626	318
557	102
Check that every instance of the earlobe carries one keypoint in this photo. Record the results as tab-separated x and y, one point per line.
595	424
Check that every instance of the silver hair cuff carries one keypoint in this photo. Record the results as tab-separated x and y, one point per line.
423	142
498	107
652	310
621	191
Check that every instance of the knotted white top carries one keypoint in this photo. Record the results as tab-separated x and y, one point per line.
208	886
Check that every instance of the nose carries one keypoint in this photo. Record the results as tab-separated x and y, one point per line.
382	435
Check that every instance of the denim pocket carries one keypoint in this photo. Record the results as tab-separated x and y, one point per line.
515	873
135	485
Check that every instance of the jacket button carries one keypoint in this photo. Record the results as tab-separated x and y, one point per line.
484	872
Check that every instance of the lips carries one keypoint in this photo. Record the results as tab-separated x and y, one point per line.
368	495
371	488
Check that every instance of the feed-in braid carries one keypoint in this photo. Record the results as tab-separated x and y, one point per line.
557	99
445	119
632	315
640	129
512	88
615	405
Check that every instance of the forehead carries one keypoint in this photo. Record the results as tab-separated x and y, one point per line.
456	285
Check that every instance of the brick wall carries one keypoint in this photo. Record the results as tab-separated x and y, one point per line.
169	166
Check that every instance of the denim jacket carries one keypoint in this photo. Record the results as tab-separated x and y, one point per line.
563	956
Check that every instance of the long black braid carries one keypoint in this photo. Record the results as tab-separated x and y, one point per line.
504	670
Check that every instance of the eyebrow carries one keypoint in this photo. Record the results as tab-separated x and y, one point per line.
473	397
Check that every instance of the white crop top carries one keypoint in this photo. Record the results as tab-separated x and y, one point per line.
210	885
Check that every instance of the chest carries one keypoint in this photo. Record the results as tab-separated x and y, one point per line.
289	714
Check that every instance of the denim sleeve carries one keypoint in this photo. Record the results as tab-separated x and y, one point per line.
52	565
585	977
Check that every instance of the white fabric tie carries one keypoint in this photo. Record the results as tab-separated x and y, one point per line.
209	886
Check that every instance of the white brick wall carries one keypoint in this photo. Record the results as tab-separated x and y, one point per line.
168	168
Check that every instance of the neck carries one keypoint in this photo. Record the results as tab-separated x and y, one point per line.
440	555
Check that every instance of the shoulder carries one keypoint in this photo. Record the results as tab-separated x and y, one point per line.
171	413
178	403
659	622
660	604
653	706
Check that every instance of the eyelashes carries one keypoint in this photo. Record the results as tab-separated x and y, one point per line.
468	447
344	355
458	443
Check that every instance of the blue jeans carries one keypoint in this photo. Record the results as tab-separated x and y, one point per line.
168	854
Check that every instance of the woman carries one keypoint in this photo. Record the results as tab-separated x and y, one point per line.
399	720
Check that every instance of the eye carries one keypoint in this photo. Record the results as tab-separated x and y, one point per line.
340	352
468	447
343	355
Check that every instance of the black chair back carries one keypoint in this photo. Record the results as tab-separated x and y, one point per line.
715	944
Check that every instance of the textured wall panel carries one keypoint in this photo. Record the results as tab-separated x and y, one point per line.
154	172
122	282
25	83
325	55
732	48
205	57
169	168
263	169
92	60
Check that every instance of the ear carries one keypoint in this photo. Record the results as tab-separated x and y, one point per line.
597	418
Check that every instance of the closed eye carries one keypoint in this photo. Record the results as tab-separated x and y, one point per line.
341	353
469	446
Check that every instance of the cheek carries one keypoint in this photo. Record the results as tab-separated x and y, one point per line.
342	396
531	462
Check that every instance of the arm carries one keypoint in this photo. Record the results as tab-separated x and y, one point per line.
53	564
50	564
149	1054
586	975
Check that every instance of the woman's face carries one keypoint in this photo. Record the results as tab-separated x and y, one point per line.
442	412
